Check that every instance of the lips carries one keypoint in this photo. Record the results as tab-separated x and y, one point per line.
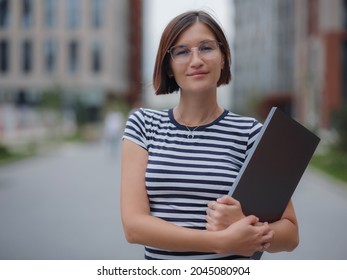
197	73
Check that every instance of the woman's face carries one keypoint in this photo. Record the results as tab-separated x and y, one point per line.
200	70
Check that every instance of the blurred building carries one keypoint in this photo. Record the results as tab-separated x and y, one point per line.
84	50
321	59
291	54
89	47
264	54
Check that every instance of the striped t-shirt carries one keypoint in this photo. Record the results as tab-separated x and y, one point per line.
184	173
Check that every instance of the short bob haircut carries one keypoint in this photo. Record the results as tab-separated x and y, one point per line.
162	82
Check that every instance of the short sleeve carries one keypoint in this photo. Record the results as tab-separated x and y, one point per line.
253	134
135	129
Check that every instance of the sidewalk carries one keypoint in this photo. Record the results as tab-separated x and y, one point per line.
321	207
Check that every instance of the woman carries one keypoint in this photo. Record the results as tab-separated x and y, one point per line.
178	164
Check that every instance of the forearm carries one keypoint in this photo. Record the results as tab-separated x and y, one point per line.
226	210
286	237
241	238
151	231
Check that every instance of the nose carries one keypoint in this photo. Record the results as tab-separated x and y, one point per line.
195	57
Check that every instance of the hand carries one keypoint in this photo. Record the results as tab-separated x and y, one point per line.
222	213
245	237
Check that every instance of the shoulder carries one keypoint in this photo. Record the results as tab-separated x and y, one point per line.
149	113
241	120
141	122
149	116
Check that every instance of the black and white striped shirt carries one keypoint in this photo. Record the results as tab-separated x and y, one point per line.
183	173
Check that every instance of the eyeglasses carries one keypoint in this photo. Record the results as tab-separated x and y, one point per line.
206	50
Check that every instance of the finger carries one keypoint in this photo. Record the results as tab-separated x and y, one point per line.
210	224
209	212
251	219
212	204
212	214
267	230
267	239
209	220
210	227
264	247
226	199
269	235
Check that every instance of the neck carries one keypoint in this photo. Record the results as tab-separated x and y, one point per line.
197	111
197	108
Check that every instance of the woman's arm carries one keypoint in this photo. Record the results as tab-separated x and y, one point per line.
227	210
141	227
286	237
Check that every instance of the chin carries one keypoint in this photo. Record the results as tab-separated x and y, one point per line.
200	87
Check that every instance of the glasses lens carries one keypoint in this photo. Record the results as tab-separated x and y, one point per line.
180	53
207	47
206	50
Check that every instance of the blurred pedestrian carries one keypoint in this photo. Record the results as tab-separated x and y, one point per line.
178	164
113	126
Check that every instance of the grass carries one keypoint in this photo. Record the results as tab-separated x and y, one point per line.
7	155
332	162
30	149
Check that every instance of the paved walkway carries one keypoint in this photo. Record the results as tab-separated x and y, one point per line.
321	208
65	205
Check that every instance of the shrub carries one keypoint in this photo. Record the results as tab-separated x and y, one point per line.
339	122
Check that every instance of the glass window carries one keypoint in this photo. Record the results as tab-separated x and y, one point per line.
27	56
50	55
27	13
50	13
73	13
97	12
4	13
73	56
96	58
4	56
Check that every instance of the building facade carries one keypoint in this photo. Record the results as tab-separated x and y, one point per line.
264	53
90	47
77	56
292	54
321	59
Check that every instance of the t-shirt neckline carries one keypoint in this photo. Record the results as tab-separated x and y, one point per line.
176	123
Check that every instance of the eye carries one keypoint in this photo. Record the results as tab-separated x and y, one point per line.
206	47
181	51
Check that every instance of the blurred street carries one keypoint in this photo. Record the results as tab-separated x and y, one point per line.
321	207
65	205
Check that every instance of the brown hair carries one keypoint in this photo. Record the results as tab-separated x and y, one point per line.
162	82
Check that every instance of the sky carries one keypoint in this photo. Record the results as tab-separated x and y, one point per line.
158	13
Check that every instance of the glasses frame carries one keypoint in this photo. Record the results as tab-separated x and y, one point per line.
170	51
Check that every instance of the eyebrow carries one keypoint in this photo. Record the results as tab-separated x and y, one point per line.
201	42
182	45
